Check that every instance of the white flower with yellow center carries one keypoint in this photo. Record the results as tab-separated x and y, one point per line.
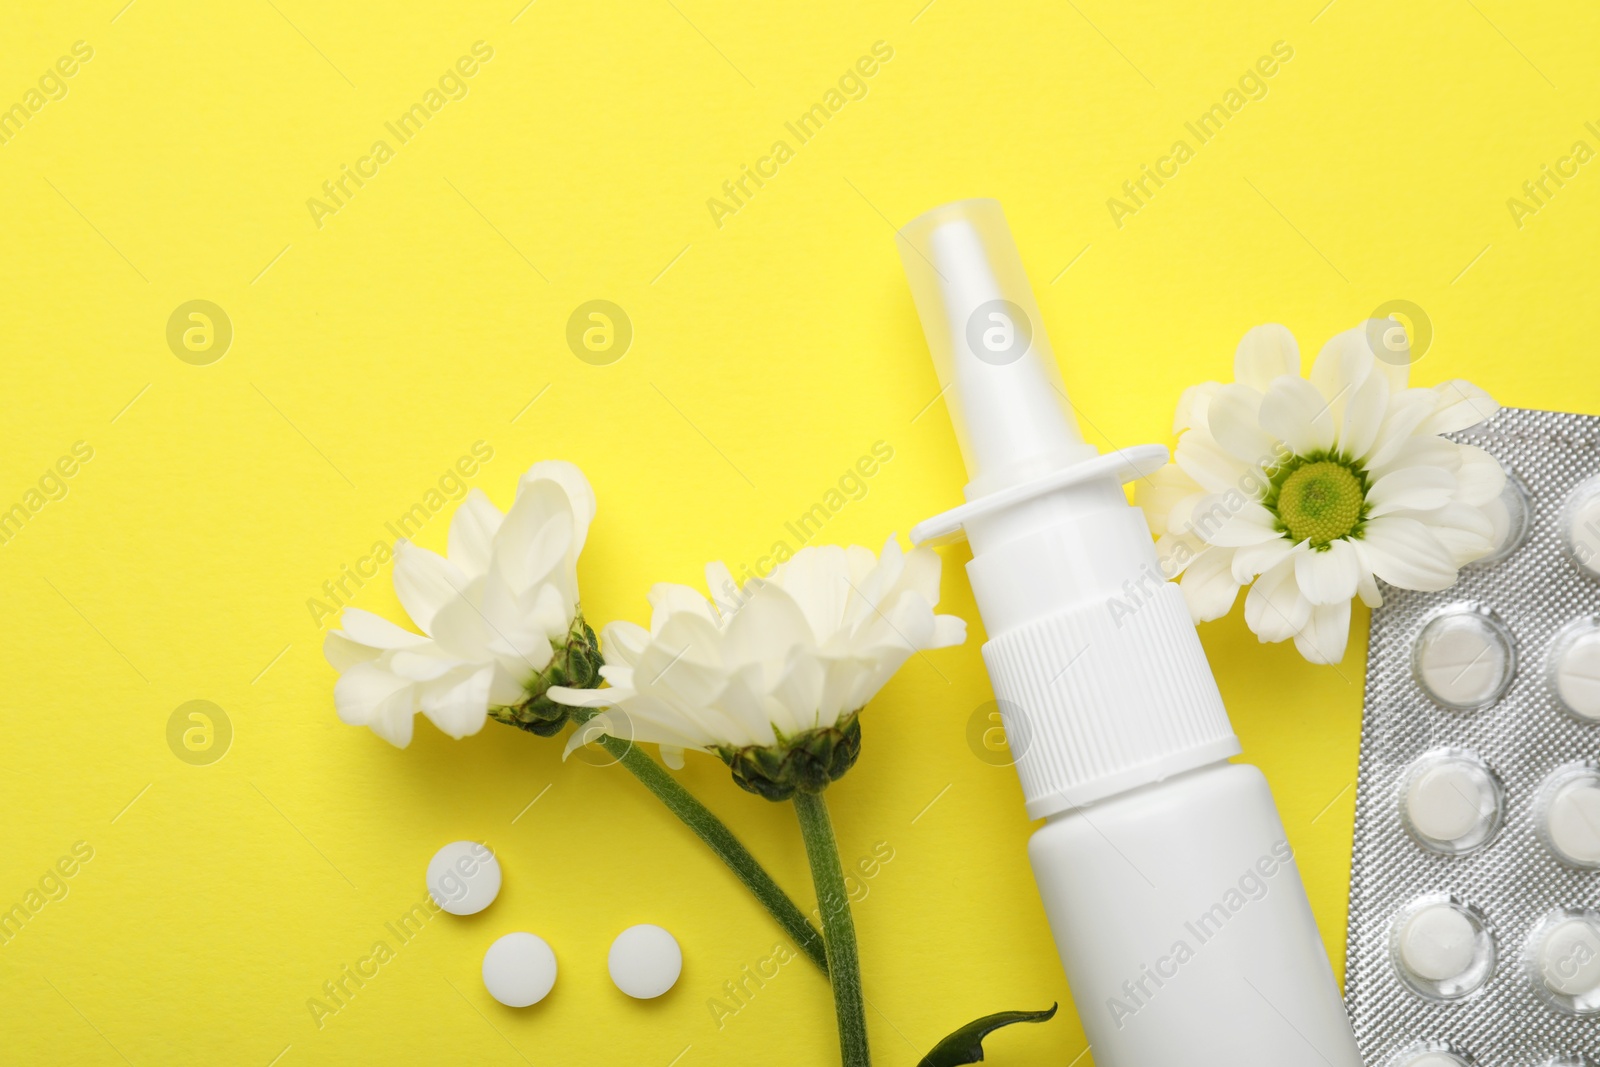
1312	489
499	619
770	677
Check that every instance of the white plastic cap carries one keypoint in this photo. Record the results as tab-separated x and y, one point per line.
995	366
1099	675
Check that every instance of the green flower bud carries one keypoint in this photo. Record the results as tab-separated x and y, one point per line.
805	763
575	664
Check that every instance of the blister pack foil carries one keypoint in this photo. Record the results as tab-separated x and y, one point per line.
1473	938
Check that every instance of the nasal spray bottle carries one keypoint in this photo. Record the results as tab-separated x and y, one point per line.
1166	875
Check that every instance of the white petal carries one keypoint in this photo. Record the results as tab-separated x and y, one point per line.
726	594
1468	533
1181	519
1326	634
1403	552
1298	415
1158	493
948	630
376	631
425	582
863	599
1460	405
768	626
1208	586
1481	478
1363	416
579	494
589	733
1192	406
422	665
672	756
1328	576
537	542
586	698
1175	552
506	687
1274	609
1234	420
1407	410
472	531
1249	524
1342	364
342	653
816	582
458	705
1207	462
460	627
1265	353
1251	561
1411	489
367	695
668	599
1499	519
1390	341
1367	588
623	642
1440	452
922	574
1348	359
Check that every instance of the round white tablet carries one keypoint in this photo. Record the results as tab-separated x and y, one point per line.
1572	820
464	877
1464	660
645	961
519	969
1450	800
1569	958
1580	525
1577	673
1438	943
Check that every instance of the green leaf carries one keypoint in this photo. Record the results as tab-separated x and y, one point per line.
966	1044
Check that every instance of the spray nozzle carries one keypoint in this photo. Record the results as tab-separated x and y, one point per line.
999	376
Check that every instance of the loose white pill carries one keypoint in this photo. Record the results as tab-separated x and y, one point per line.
1577	674
1569	958
1438	943
464	877
1572	820
1581	525
1464	660
645	961
519	969
1450	801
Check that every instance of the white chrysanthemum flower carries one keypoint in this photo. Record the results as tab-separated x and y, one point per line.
499	619
1312	489
771	676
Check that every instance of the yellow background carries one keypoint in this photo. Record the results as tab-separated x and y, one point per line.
769	355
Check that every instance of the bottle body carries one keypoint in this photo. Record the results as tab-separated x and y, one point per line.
1166	875
1184	928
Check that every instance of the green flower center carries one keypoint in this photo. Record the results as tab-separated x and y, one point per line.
1318	499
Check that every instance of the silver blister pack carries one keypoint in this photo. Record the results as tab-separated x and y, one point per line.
1474	933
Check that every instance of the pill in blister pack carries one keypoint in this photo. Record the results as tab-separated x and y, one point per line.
1451	801
1574	668
1475	884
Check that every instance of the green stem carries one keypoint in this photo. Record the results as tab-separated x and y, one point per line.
844	965
714	832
